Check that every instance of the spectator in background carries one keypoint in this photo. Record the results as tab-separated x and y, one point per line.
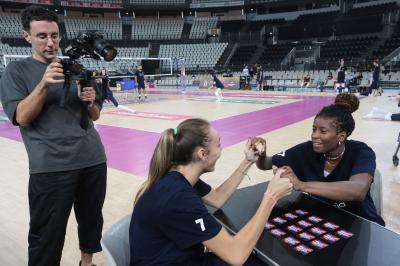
306	81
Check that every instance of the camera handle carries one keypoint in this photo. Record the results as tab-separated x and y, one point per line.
65	89
85	115
85	105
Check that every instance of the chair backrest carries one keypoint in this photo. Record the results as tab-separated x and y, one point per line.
115	243
376	191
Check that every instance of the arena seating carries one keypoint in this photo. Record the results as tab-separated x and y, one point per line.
10	25
110	28
200	27
203	56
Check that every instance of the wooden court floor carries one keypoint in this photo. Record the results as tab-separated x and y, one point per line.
284	119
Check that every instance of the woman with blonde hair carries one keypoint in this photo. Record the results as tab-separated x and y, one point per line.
170	224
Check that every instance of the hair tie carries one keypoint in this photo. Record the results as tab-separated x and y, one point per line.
175	131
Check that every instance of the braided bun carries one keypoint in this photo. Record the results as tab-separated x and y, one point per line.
348	101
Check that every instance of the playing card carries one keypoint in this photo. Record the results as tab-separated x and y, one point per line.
330	226
290	216
330	238
294	229
303	249
301	212
318	244
314	219
291	241
279	220
277	232
317	231
304	224
306	236
269	225
345	234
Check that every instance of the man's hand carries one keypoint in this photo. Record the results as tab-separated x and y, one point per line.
87	94
288	173
53	75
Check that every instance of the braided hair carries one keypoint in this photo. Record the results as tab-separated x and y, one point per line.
341	112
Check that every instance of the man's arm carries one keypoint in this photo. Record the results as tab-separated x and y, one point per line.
29	108
94	112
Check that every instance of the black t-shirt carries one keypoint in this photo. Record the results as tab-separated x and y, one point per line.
375	74
170	222
218	83
309	166
54	140
139	77
341	74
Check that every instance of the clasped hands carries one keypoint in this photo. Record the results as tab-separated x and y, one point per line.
256	148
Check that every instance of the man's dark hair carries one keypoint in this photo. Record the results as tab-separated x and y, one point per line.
37	13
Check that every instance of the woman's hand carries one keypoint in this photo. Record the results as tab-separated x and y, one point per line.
279	186
250	152
259	145
288	173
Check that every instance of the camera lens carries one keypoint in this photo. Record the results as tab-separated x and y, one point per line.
105	49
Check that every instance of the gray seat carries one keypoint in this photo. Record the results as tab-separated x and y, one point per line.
376	191
115	243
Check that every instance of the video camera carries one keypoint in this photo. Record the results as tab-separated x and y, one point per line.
89	44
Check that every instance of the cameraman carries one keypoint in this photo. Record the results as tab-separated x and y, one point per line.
67	164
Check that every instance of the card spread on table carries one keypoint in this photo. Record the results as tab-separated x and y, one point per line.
305	232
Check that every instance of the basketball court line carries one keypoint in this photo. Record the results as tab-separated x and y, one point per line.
158	116
227	100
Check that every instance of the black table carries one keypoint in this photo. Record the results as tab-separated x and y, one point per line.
371	243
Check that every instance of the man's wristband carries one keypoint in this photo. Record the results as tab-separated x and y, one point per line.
268	195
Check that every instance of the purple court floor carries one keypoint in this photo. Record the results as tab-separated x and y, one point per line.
130	150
